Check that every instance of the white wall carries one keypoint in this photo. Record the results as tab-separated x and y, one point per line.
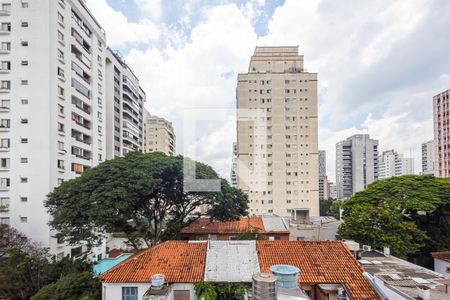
441	266
113	291
392	295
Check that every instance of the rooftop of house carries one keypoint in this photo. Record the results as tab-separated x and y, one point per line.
192	261
403	276
445	256
206	225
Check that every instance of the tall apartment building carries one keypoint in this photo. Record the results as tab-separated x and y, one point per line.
441	114
356	164
277	134
393	164
322	163
159	135
428	158
234	163
52	97
324	188
124	108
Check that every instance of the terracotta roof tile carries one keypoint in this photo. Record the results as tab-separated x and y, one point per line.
179	261
319	262
445	256
208	226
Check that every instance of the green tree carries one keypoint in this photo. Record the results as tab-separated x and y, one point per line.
330	207
403	213
74	286
141	195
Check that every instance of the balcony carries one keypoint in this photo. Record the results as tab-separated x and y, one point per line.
5	90
5	51
5	71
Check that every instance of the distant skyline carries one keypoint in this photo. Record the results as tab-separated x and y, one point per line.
379	64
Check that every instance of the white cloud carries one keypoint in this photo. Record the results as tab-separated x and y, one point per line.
379	63
119	30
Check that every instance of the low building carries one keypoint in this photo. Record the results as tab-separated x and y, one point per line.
401	280
314	229
442	262
327	270
205	228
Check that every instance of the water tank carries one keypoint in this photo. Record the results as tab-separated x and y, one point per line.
264	286
157	281
287	276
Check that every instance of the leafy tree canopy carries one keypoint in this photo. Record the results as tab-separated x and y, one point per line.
141	195
406	213
73	286
330	207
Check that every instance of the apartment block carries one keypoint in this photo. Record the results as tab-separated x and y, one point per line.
393	164
277	134
356	164
428	158
441	116
52	113
322	163
159	135
124	108
234	163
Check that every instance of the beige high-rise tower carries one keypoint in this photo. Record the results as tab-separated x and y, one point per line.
277	134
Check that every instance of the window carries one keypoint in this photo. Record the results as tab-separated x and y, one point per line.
4	202
24	43
24	121
61	164
60	72
60	127
5	85
4	220
6	46
129	293
24	82
60	17
24	199
4	163
4	183
24	140
6	27
24	24
60	181
6	6
60	109
60	146
24	4
23	219
6	65
24	62
24	101
5	103
4	123
4	143
23	179
24	160
60	54
60	91
60	36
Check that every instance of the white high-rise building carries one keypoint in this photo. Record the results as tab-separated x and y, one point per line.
428	158
393	164
52	112
356	164
124	108
277	134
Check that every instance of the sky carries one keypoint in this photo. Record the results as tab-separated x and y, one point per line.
379	63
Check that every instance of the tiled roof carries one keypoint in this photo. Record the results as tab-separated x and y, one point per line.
179	261
319	262
209	226
442	255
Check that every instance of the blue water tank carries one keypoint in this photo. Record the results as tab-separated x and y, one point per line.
157	280
287	276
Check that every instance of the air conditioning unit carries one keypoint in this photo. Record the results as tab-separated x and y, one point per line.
367	248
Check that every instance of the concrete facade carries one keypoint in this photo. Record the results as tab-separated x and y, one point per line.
124	106
159	135
441	117
356	164
428	158
52	111
277	134
393	164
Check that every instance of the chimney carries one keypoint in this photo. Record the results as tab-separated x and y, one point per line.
424	292
387	251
